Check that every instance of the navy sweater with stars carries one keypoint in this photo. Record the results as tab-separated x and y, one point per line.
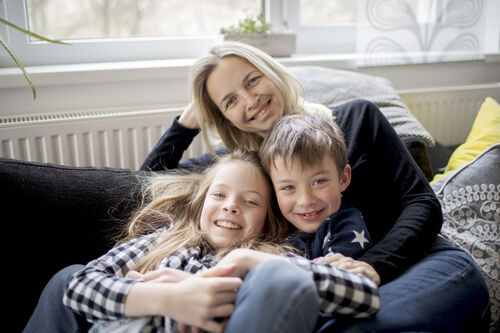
344	232
398	205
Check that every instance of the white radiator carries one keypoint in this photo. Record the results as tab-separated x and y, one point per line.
112	138
122	138
448	112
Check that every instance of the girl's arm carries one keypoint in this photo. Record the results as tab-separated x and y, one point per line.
340	291
99	291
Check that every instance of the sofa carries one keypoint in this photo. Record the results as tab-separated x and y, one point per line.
62	215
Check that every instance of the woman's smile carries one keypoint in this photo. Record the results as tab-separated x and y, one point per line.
245	96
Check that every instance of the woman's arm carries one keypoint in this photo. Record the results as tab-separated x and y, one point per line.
399	207
339	291
167	153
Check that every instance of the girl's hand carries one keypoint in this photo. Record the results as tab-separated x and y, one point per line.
244	260
349	264
194	301
159	275
188	117
198	301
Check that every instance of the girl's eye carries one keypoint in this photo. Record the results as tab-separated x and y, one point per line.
218	195
230	102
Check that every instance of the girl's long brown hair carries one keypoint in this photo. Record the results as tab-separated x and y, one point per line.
175	200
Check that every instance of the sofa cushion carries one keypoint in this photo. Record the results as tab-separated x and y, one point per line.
332	87
470	199
485	132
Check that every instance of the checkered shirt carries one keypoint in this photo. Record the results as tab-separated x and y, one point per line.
98	292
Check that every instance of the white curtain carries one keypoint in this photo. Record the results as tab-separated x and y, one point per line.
419	31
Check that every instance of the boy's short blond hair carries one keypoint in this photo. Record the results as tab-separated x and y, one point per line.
306	138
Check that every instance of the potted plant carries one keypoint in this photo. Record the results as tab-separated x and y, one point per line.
14	56
256	32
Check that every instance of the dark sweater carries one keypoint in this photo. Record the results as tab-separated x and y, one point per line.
344	232
400	210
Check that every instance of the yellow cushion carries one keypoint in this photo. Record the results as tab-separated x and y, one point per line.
485	132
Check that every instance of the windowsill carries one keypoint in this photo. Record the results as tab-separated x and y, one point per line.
170	69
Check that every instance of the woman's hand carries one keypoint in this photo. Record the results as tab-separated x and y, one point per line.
188	117
349	264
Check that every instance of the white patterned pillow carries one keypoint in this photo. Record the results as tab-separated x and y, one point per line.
470	199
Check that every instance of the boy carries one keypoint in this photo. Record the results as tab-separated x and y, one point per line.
306	158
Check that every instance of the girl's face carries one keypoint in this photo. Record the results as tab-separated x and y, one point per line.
245	96
236	204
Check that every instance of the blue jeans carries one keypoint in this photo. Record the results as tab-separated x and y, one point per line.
444	292
276	296
50	314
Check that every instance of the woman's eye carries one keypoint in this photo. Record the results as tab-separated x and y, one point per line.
252	80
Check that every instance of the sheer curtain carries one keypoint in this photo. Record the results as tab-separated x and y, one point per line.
420	31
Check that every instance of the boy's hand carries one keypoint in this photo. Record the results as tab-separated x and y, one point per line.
349	264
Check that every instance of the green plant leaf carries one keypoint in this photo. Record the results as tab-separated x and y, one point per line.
19	64
29	33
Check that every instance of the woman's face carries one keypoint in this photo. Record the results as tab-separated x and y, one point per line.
245	96
236	204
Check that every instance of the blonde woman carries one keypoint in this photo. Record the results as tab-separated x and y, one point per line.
239	92
148	282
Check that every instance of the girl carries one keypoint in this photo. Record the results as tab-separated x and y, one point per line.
239	92
188	223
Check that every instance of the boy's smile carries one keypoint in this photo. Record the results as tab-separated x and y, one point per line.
308	195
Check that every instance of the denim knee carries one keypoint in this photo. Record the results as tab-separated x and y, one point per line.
276	296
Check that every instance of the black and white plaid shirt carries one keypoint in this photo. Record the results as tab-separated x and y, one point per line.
98	292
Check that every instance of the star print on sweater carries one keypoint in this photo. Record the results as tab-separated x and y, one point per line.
335	236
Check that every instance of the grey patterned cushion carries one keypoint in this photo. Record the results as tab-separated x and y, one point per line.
470	197
332	87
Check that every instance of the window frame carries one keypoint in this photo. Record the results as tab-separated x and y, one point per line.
284	15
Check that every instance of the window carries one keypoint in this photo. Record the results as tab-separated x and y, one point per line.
119	30
124	30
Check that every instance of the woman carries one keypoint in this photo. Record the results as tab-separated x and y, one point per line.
427	284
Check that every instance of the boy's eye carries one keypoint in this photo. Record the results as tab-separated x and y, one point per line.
251	202
287	188
320	181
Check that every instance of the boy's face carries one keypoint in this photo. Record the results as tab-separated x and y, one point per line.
308	195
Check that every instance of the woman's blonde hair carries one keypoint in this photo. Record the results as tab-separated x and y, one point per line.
210	117
176	200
